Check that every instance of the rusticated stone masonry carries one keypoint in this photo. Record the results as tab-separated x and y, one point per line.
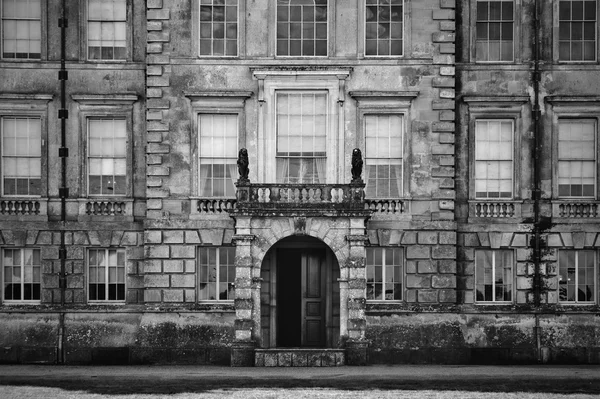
77	242
157	79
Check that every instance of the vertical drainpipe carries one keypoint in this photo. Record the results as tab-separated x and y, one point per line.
63	191
537	194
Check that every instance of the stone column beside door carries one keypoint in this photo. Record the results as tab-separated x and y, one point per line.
355	265
242	350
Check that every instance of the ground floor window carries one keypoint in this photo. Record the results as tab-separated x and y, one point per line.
384	274
494	275
577	276
217	273
106	276
21	275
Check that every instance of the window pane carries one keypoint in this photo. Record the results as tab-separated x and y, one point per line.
297	28
577	30
21	155
301	137
383	28
218	28
107	27
493	159
217	154
576	157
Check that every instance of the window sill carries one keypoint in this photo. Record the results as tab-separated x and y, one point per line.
24	208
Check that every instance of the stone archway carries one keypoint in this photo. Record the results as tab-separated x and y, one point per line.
344	235
300	295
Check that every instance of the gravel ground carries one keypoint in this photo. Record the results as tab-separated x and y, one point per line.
27	392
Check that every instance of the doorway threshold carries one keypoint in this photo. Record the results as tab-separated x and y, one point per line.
299	357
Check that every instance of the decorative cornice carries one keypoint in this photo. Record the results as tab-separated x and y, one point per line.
572	99
224	93
18	97
105	99
496	99
371	95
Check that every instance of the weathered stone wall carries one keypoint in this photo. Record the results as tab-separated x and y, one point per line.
101	335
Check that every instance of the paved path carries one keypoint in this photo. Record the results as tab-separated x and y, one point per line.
427	372
174	379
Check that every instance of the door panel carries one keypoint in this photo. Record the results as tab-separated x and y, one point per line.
313	300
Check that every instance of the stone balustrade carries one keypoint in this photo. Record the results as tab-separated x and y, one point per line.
20	207
389	206
105	208
304	196
215	206
494	209
575	209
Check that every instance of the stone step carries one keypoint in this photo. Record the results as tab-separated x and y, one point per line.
299	357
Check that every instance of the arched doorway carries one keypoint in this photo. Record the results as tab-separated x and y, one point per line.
300	295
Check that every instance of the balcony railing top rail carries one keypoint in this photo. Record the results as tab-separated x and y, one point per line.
300	195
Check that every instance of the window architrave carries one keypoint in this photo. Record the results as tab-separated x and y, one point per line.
387	103
497	108
105	106
270	81
83	20
573	108
213	102
518	21
29	106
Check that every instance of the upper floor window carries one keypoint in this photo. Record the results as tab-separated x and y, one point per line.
383	157
107	160
577	276
21	148
21	29
106	275
384	274
494	158
302	28
21	274
217	273
493	275
219	28
577	30
301	135
218	138
384	27
495	31
107	29
577	158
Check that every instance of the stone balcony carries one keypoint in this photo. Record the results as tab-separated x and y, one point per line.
301	199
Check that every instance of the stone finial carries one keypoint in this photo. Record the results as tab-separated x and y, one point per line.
242	164
357	166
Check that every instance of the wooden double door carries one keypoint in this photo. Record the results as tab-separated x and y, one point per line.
303	297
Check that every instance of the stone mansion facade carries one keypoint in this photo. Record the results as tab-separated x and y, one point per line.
299	182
